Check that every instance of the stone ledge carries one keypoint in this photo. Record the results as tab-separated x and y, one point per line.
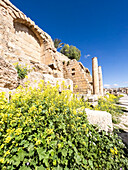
101	118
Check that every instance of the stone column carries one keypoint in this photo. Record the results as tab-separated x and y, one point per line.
95	76
100	81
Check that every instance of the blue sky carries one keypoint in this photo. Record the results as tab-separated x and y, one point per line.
97	27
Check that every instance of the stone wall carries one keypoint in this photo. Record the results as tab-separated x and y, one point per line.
20	36
8	75
24	42
79	75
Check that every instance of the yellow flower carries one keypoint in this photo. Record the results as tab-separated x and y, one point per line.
116	151
2	146
84	125
35	139
16	144
49	131
74	112
7	153
38	142
9	131
86	131
84	143
18	131
2	160
26	77
8	139
112	151
59	145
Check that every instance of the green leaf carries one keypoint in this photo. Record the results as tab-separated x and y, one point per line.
64	152
77	158
51	152
45	160
25	168
70	152
21	155
70	143
40	167
15	160
90	164
31	147
85	161
41	153
26	144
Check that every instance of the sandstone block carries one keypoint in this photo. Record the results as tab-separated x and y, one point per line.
8	75
101	118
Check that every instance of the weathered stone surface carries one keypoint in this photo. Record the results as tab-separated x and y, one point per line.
49	79
42	68
68	83
34	78
100	81
79	75
8	75
95	76
101	118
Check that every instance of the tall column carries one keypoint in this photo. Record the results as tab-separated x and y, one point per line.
95	76
100	81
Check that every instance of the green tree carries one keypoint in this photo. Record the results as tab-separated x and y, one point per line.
57	43
71	52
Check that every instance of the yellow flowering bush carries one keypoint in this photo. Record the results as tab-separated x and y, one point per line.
42	129
108	103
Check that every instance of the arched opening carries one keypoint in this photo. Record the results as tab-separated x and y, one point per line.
27	41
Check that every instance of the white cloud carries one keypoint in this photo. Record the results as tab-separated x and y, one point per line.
106	85
86	56
115	85
126	82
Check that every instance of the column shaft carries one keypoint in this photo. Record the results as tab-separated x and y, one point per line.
100	81
95	76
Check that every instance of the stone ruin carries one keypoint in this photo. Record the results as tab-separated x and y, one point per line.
22	41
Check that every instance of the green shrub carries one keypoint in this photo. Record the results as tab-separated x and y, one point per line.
22	71
42	129
71	52
108	104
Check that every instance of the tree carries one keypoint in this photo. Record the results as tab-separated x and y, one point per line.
57	43
71	52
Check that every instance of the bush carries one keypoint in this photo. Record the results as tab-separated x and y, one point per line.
71	52
22	71
108	104
42	129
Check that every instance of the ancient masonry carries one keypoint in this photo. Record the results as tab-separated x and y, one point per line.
24	42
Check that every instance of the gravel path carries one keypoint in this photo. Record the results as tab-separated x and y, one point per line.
123	119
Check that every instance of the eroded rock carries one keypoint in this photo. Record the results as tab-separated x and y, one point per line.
8	75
